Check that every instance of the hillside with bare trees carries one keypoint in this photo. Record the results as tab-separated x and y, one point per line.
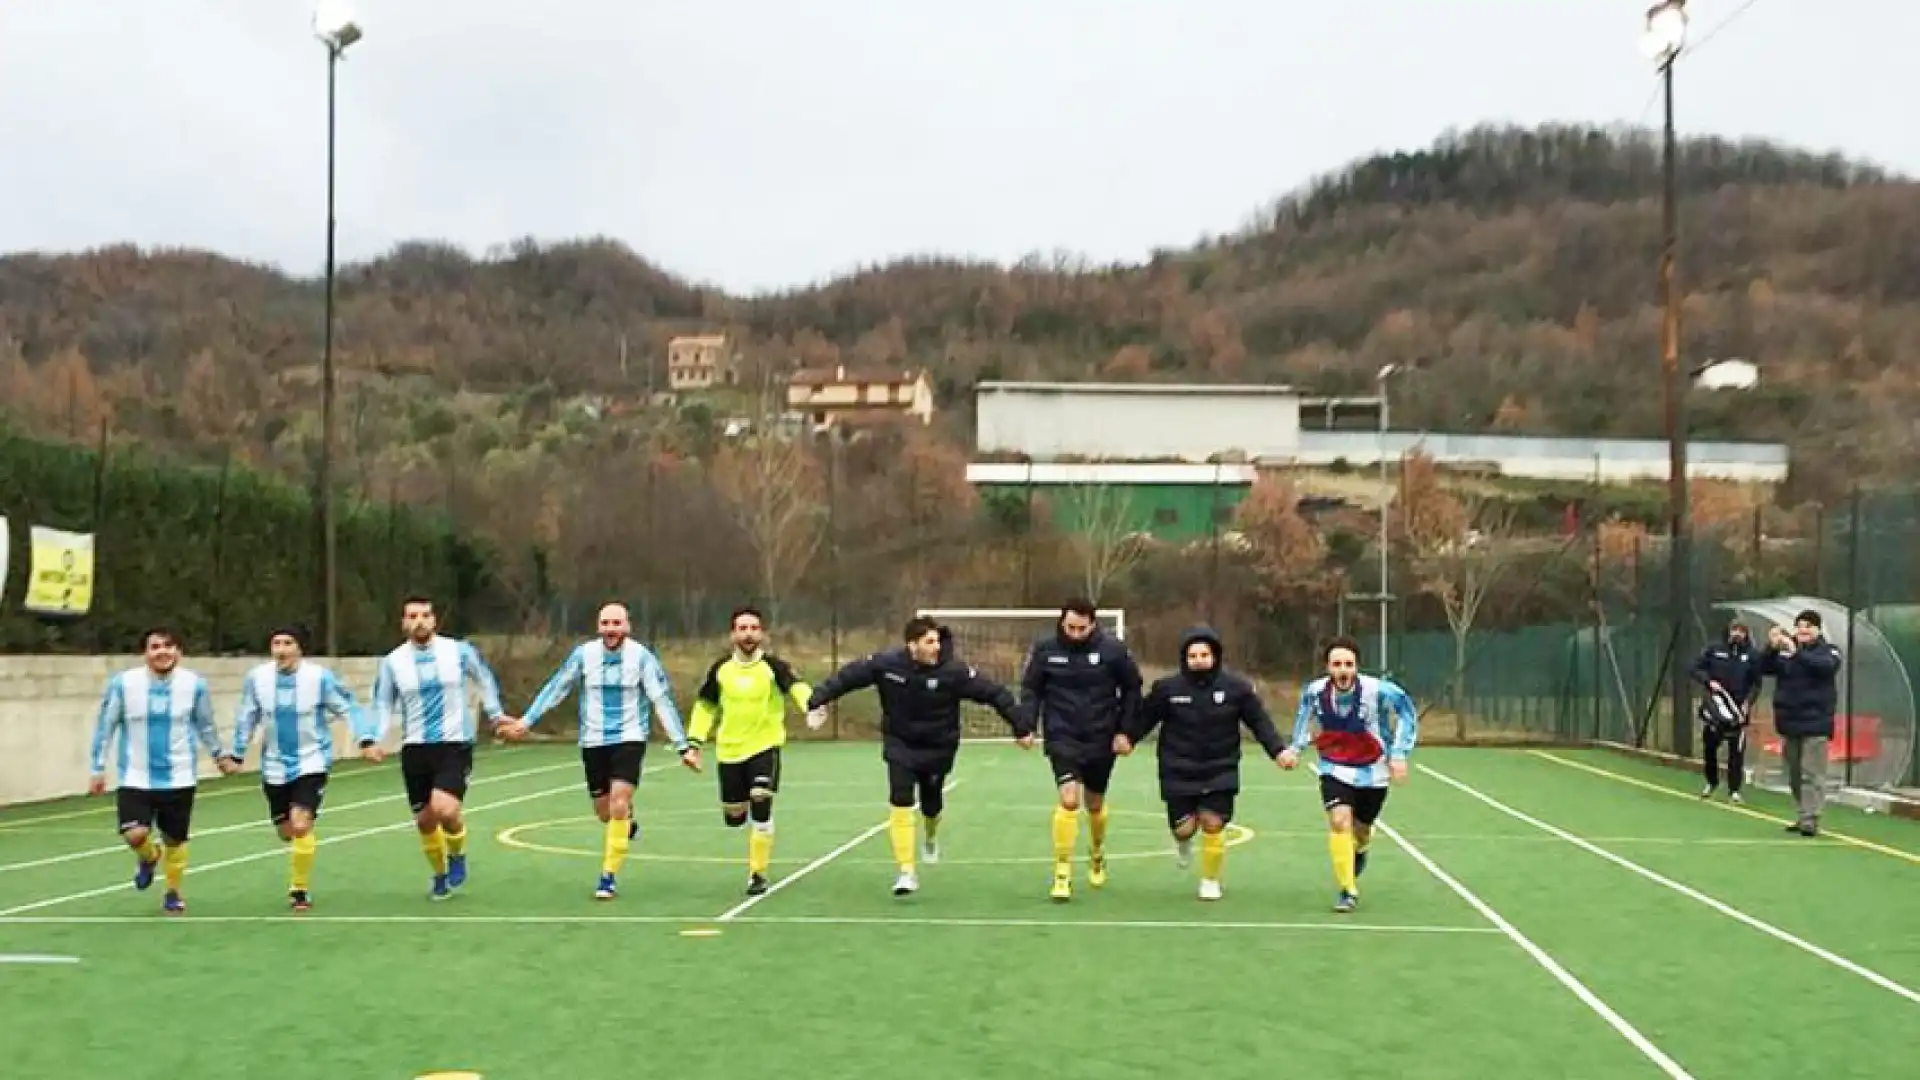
516	388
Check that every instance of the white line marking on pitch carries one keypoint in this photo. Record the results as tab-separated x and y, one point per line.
280	852
763	920
1687	891
733	913
1588	997
1729	808
30	958
33	821
121	849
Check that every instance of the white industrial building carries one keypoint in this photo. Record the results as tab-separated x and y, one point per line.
1134	421
1050	421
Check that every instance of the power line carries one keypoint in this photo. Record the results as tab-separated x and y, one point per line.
1653	95
1717	28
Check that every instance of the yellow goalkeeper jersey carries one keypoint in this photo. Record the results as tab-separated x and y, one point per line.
748	698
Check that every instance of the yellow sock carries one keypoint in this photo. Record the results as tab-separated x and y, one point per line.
175	861
759	849
1341	845
1213	854
1097	827
457	841
149	849
900	834
304	848
613	852
434	844
930	826
1066	833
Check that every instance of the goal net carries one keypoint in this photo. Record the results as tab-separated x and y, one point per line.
995	641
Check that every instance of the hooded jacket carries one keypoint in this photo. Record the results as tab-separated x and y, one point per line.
1079	694
1200	714
920	703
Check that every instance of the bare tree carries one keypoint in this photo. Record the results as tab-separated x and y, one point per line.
1106	537
774	487
526	538
1458	546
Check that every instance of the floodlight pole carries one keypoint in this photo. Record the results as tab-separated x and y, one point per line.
1386	502
1680	539
330	580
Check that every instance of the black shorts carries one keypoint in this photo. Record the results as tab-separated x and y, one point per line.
739	779
170	811
1365	803
430	767
605	764
305	792
907	785
1182	807
1093	772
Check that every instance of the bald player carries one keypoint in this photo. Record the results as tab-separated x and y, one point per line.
623	689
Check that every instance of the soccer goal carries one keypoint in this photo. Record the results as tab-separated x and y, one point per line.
995	641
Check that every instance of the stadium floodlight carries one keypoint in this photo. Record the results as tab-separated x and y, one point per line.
1666	32
1731	374
334	24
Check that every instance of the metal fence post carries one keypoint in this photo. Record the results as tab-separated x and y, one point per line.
217	590
1853	608
833	564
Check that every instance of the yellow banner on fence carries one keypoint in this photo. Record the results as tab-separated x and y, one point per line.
60	578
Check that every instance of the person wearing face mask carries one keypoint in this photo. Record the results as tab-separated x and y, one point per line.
1805	667
1730	671
1200	711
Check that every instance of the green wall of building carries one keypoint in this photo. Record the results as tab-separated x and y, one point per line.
1175	513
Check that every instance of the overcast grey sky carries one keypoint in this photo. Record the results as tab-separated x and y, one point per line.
766	143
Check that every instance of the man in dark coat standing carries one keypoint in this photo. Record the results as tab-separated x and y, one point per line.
1805	667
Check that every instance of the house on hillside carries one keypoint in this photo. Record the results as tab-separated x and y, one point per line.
700	362
836	397
1173	502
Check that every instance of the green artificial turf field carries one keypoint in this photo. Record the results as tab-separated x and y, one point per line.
1525	914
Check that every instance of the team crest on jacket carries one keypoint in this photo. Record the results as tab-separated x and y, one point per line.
933	684
1219	697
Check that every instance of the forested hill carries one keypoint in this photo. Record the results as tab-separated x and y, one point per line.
1518	264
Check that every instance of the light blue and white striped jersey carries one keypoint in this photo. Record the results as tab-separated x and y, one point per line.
621	690
1361	711
428	685
294	708
158	719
